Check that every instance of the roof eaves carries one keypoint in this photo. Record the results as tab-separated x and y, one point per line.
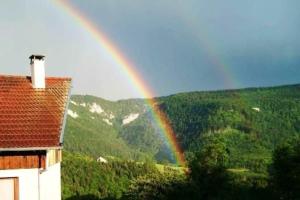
62	130
29	148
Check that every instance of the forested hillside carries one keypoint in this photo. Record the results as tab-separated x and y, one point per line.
251	122
97	127
259	118
239	144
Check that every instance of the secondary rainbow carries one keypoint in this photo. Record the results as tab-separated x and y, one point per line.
131	72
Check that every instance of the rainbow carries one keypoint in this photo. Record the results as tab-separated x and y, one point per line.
208	44
132	74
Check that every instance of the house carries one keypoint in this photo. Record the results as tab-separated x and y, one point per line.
32	120
101	160
256	109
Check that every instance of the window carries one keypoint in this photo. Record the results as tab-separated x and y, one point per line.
9	188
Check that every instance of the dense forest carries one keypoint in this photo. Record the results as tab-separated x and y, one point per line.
208	178
239	144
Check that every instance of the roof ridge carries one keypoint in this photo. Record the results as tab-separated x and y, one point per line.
26	77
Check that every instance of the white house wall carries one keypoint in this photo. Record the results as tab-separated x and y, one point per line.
50	183
28	182
32	184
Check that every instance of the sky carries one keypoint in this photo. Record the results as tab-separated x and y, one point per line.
175	45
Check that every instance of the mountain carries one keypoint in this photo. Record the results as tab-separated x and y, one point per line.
241	144
250	121
98	127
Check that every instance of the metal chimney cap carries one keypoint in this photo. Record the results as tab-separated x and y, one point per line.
38	57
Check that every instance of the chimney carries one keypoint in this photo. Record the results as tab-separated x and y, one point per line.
37	63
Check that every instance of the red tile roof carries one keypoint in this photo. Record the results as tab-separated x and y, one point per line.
32	118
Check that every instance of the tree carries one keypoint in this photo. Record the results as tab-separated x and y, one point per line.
166	185
208	170
285	170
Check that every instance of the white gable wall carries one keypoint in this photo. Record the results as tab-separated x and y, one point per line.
35	182
28	182
50	186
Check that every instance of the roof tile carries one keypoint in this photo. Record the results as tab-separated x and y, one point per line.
31	117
